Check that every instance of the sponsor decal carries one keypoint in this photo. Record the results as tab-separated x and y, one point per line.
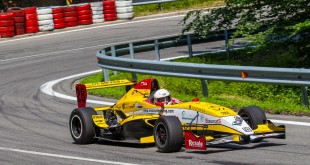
225	113
157	111
195	143
186	117
218	121
192	142
139	106
238	121
247	129
127	106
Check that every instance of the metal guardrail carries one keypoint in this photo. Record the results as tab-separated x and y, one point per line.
108	59
146	2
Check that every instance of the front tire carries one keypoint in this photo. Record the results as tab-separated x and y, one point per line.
82	128
252	115
168	134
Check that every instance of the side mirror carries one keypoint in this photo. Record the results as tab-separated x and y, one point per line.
159	104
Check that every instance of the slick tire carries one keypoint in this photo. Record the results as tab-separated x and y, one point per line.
168	134
98	20
95	4
252	115
5	23
82	128
45	17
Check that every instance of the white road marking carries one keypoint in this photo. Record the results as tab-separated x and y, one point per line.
96	27
48	89
64	156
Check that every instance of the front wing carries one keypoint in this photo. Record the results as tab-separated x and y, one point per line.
265	130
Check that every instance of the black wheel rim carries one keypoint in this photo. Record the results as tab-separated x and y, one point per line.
76	126
161	135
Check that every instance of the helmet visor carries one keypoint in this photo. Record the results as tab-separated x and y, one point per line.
164	99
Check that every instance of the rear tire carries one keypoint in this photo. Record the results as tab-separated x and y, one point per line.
82	128
252	115
168	134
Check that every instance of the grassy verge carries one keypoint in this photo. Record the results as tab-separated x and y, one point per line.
175	6
277	99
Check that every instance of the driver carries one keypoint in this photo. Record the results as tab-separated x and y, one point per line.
162	95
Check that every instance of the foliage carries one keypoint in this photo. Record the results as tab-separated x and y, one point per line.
175	6
274	26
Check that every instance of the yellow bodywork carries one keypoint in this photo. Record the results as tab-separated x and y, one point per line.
135	100
268	127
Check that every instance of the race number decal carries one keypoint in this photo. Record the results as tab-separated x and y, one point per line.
81	95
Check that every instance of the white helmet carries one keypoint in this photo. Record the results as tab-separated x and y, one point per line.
162	95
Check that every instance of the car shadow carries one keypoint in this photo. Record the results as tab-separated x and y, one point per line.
210	149
125	144
232	147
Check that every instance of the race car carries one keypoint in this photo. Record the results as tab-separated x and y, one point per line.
193	124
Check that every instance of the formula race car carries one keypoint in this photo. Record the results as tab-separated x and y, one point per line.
194	124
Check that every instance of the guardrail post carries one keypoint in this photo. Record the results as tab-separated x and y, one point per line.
132	56
157	50
305	96
160	7
105	72
113	55
190	47
226	43
204	88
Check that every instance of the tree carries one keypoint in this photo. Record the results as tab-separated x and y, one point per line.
270	24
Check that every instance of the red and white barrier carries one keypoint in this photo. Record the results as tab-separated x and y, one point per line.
109	10
7	25
32	19
45	19
19	20
71	16
97	12
84	14
32	25
124	9
58	17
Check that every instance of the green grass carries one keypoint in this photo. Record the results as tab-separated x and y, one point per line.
175	6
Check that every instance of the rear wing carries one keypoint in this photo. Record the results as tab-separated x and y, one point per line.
81	89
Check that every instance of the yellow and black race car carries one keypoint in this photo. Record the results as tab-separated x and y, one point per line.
194	124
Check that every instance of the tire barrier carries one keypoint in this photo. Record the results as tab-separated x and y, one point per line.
58	17
97	12
19	20
109	10
84	14
71	16
45	19
7	28
32	24
124	9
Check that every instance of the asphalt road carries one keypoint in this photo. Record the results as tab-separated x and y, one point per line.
34	126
